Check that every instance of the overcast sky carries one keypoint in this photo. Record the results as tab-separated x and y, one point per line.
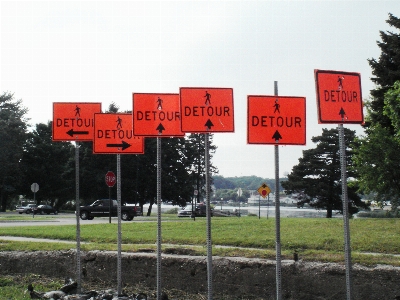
103	51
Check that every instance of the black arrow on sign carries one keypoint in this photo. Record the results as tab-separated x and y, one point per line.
342	113
160	128
277	136
209	124
72	132
123	145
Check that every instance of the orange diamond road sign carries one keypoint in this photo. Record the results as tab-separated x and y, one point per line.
156	115
74	121
207	110
276	120
339	97
264	190
114	134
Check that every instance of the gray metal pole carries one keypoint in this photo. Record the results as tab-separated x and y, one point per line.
78	226
110	205
342	146
159	289
119	275
208	215
277	216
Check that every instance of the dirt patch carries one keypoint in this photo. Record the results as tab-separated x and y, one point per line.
233	278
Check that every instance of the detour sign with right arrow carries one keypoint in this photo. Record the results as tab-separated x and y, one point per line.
276	120
114	135
339	97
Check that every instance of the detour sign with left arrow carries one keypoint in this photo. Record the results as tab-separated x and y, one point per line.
276	120
74	121
114	134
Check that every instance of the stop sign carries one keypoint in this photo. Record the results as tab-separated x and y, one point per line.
110	178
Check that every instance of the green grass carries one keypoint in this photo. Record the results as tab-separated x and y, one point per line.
314	239
15	287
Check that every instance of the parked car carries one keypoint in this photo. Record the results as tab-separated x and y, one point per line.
26	209
186	212
199	211
46	209
101	208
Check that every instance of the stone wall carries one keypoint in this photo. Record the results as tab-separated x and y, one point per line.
238	277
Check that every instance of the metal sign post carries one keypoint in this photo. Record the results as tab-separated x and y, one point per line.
277	215
78	226
119	275
110	181
208	215
34	189
342	146
159	289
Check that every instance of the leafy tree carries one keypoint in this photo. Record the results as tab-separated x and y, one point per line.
13	134
222	183
376	160
44	162
316	180
252	182
195	152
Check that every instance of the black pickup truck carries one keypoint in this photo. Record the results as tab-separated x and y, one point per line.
101	208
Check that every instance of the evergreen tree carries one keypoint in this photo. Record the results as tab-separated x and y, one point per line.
13	134
316	180
386	71
377	158
44	162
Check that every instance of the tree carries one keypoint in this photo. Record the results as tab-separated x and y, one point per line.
195	152
316	180
13	132
386	71
44	162
376	160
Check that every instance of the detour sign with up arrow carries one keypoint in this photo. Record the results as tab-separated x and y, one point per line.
276	120
113	133
74	121
207	110
156	115
339	97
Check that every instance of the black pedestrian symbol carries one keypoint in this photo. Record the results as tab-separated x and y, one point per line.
340	81
159	103
77	111
277	106
119	123
208	98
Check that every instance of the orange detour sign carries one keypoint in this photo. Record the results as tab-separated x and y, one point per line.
339	97
207	110
74	121
276	120
156	115
114	134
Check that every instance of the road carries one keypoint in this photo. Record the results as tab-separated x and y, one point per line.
70	219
